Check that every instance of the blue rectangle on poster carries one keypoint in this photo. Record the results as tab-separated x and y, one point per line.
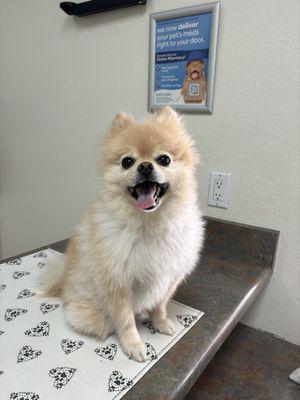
181	59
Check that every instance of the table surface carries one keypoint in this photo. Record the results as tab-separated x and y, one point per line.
224	284
250	365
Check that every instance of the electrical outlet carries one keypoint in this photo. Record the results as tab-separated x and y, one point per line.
218	194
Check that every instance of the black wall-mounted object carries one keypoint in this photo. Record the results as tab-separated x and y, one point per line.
97	6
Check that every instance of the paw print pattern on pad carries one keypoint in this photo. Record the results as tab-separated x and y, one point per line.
108	352
186	320
48	307
150	327
16	261
24	396
13	313
42	329
41	254
27	353
61	376
150	352
2	287
25	293
69	345
117	383
20	274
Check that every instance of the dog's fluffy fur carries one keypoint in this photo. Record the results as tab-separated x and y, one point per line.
123	262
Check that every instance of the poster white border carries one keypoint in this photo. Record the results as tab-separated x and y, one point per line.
214	9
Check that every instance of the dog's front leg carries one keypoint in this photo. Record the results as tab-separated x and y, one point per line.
160	320
159	317
122	315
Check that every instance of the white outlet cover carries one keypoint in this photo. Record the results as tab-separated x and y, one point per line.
218	193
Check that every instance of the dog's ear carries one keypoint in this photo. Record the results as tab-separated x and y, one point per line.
168	115
187	72
121	121
182	142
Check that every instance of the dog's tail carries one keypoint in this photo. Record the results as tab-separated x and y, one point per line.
50	279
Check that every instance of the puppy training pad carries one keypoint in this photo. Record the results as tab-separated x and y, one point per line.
41	358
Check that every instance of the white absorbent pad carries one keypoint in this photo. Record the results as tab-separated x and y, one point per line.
42	358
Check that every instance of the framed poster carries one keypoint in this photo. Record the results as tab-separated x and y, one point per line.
183	45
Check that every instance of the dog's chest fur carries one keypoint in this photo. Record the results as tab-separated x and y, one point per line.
149	257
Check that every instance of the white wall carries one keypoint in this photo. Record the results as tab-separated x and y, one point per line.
63	78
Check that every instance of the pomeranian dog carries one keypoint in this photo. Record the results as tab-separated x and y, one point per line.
141	237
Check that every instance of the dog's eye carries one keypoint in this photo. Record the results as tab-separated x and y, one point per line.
127	162
163	160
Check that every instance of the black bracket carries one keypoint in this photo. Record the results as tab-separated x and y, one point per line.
97	6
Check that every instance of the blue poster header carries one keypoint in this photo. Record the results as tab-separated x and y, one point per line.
187	33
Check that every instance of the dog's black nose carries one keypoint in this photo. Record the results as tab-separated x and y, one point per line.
145	168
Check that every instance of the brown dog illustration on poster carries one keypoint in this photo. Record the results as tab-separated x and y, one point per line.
194	84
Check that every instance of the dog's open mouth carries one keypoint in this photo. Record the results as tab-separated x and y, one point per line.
195	74
148	194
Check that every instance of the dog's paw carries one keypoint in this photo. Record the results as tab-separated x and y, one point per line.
164	326
135	351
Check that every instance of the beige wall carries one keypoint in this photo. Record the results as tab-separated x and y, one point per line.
62	79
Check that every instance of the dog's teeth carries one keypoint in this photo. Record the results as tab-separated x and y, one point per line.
157	191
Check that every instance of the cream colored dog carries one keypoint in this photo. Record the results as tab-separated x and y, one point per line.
141	237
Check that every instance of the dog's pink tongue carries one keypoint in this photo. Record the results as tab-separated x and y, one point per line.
146	196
